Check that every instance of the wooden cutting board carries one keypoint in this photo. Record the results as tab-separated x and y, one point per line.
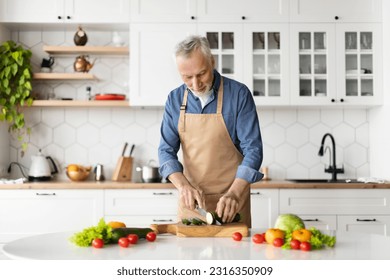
182	230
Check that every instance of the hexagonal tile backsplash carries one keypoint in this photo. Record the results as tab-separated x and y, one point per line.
89	136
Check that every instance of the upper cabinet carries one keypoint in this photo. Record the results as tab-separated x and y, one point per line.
244	10
335	11
65	11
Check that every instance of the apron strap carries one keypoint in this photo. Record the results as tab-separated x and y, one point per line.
183	112
220	97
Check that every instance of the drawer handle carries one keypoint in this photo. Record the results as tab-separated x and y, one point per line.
255	193
162	220
310	220
365	220
163	193
45	193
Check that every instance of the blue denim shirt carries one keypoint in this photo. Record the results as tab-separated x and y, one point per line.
240	116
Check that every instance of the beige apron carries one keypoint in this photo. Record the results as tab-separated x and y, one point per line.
210	158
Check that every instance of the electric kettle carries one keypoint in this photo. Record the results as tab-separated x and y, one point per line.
42	168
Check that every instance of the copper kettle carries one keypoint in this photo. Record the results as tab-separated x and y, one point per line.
81	64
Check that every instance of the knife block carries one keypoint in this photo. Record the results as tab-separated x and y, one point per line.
123	170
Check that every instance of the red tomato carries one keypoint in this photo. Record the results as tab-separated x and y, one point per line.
151	236
258	238
278	242
123	242
295	244
97	243
237	236
133	238
305	246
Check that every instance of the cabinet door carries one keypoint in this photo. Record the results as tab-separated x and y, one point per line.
29	212
141	207
163	11
335	10
266	52
313	77
98	11
153	71
226	43
264	208
244	10
370	224
359	58
31	10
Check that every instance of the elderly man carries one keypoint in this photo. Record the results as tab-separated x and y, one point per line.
214	119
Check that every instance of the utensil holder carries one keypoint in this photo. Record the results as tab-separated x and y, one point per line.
123	170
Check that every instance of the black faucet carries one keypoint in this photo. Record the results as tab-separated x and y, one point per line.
332	165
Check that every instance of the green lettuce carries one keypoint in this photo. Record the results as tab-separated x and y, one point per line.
85	237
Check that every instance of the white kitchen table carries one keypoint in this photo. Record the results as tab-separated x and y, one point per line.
55	246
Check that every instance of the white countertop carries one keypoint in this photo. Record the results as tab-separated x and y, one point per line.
55	246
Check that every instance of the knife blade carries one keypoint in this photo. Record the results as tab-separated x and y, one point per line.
204	213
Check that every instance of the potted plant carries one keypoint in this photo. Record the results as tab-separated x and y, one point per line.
15	88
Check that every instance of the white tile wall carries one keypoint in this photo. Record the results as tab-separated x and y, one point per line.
96	135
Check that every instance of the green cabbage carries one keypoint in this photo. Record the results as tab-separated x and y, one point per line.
289	222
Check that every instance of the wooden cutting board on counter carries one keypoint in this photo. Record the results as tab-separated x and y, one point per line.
182	230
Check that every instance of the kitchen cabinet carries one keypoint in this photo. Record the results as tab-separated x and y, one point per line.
335	10
153	72
264	207
365	210
65	11
141	207
30	212
335	64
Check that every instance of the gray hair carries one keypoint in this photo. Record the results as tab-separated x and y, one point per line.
192	43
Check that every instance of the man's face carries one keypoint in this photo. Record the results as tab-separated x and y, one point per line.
196	72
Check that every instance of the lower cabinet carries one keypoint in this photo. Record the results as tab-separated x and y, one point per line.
141	207
30	212
359	210
264	207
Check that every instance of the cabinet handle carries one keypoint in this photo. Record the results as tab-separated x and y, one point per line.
192	17
365	220
341	100
59	17
45	193
162	220
163	193
310	220
243	18
336	17
68	17
255	193
333	100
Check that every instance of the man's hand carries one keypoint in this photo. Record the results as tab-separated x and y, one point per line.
189	195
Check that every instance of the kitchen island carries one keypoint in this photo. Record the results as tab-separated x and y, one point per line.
56	246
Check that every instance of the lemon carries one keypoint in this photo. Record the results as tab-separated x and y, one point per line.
116	224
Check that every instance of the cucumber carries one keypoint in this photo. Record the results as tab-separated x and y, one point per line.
212	218
125	231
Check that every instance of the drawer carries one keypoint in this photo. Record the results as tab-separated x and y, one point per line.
142	221
376	224
334	201
141	202
321	222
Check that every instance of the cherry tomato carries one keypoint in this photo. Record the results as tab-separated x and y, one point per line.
123	242
237	236
151	236
278	242
133	238
305	246
258	238
295	244
263	234
97	243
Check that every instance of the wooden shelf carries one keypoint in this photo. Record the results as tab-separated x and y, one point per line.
64	76
81	103
98	50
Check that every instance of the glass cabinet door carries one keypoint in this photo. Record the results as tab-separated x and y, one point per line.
312	63
226	47
266	49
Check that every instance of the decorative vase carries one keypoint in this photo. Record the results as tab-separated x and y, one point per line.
80	37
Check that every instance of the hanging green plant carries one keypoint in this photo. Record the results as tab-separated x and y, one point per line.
15	88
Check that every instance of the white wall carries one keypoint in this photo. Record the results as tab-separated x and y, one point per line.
379	117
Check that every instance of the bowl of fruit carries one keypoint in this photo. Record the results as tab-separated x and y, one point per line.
77	172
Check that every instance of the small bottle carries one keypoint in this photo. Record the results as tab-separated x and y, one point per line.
264	170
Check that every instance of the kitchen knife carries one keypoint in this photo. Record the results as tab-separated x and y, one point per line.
204	214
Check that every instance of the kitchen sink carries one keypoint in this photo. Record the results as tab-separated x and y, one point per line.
309	181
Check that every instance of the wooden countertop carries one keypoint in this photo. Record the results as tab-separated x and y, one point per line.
271	184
